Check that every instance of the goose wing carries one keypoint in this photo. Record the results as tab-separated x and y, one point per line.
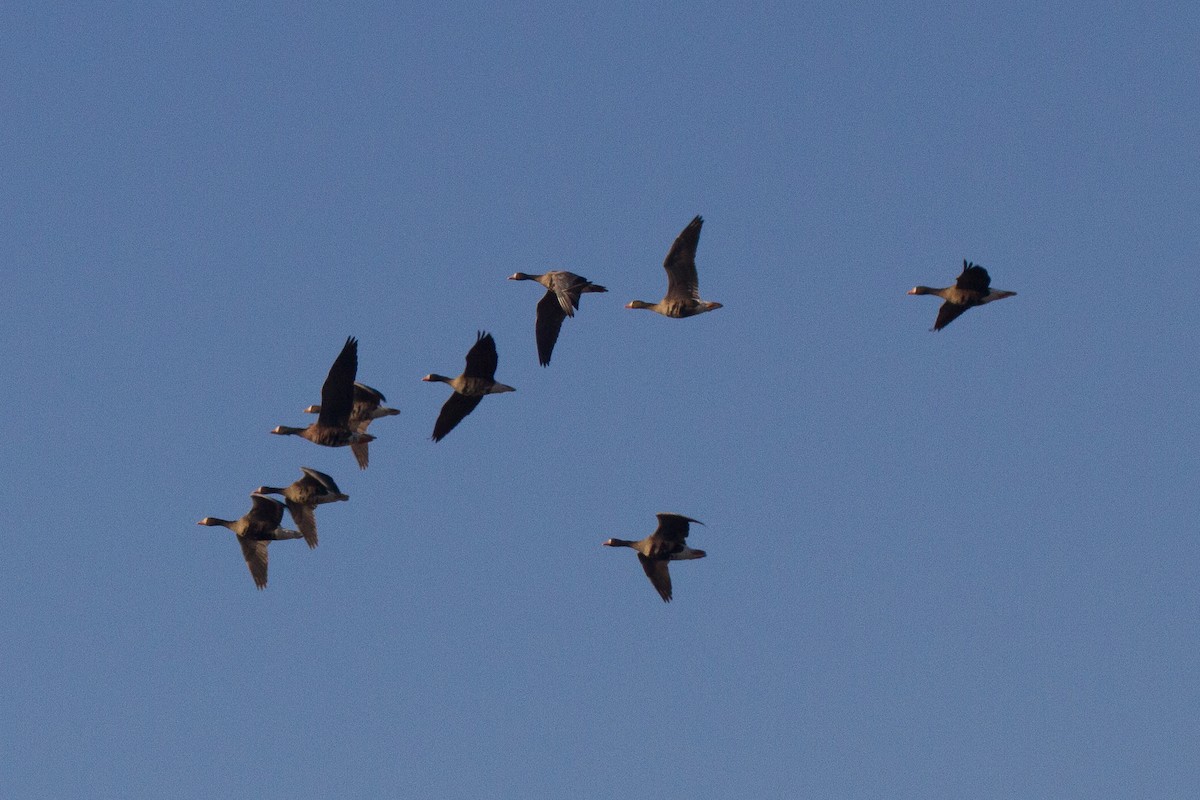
974	278
550	316
682	281
255	553
568	286
324	481
306	521
659	575
481	360
366	396
673	528
455	408
361	450
948	313
265	514
337	393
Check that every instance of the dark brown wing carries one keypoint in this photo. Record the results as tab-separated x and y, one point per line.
948	313
682	281
481	360
974	278
265	515
565	286
305	520
550	318
673	527
320	478
337	394
255	553
365	395
362	450
569	286
457	407
659	575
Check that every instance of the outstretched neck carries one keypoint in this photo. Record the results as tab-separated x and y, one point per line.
620	543
433	376
285	430
640	304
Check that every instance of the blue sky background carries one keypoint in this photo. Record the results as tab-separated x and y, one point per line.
940	565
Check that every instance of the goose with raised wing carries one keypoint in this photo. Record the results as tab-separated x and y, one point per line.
972	288
257	528
368	406
477	380
668	543
303	496
559	302
683	284
332	428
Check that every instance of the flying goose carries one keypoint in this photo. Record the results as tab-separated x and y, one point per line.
559	302
332	428
303	496
368	406
667	543
477	380
972	288
257	528
683	285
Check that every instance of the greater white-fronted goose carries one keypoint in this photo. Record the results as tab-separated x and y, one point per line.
667	543
332	428
257	528
972	288
303	496
368	406
683	284
559	302
478	379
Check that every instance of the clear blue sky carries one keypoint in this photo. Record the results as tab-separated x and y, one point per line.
951	565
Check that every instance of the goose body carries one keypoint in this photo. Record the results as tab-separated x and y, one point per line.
257	528
972	288
302	498
368	406
563	290
667	543
683	284
478	379
332	428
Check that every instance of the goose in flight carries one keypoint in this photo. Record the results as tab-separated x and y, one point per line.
559	302
303	496
332	428
972	288
257	528
368	406
683	284
667	543
478	379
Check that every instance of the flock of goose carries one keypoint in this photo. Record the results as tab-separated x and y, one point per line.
347	407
